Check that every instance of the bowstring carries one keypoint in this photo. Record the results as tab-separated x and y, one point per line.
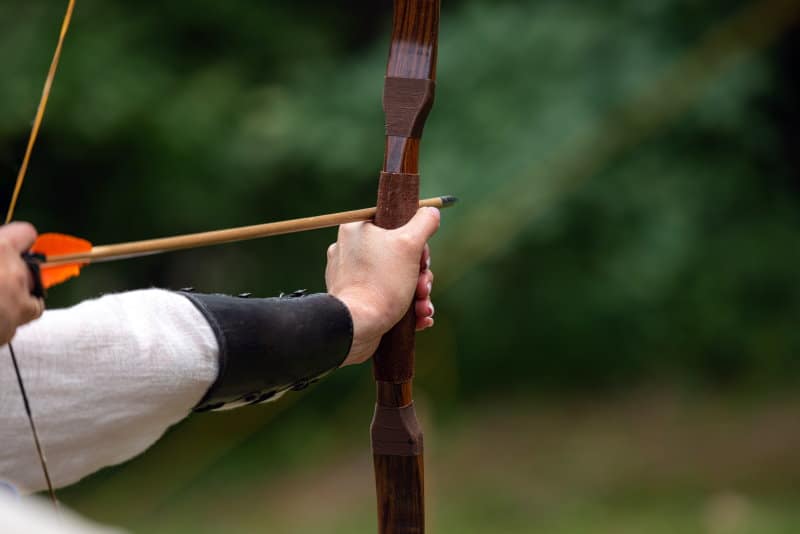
37	123
39	450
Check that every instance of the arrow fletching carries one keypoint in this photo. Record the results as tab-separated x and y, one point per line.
53	244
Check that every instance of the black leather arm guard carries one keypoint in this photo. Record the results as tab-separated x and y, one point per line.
268	346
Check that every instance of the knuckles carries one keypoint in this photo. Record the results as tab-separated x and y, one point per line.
407	242
6	248
349	231
19	274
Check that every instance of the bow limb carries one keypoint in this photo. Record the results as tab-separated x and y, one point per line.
37	121
407	99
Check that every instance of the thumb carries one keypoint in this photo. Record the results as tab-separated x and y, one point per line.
20	235
424	223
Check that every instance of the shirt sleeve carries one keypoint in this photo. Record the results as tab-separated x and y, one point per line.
105	379
33	515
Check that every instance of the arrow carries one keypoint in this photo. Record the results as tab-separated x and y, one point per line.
61	257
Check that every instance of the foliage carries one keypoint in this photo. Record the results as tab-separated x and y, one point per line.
600	239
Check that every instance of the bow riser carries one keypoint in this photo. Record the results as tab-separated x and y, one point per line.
408	97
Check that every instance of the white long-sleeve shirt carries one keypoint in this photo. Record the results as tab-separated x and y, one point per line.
105	380
36	516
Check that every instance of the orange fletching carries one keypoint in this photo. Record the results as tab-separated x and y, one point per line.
52	276
51	246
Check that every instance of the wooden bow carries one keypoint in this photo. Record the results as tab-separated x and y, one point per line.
407	99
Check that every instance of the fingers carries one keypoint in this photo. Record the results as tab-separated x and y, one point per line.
20	235
377	271
424	285
423	323
350	231
423	308
26	307
17	306
30	309
425	261
424	223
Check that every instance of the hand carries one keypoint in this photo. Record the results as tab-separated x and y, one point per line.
377	273
17	306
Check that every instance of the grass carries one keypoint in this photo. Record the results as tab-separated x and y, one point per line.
653	462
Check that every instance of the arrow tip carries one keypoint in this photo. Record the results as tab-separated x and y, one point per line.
448	200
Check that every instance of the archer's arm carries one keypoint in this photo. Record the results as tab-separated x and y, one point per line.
107	377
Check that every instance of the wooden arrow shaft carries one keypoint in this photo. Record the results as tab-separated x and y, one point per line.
165	244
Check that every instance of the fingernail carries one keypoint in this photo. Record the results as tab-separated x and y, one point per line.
430	287
430	310
428	263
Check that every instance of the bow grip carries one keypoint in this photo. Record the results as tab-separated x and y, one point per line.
398	201
33	262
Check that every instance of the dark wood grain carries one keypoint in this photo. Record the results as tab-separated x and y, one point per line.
400	479
401	496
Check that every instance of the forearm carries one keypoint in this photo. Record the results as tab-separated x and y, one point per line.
106	378
270	346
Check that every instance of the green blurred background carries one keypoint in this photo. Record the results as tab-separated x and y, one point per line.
617	295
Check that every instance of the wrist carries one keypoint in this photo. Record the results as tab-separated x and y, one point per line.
367	329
